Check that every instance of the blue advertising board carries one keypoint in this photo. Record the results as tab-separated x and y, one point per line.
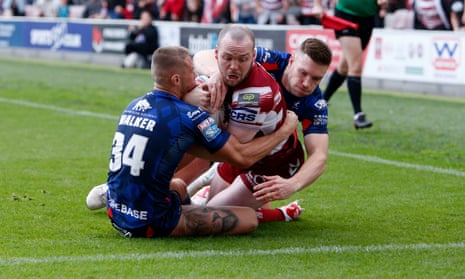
11	34
58	36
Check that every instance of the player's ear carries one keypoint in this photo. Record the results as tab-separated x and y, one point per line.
292	59
175	78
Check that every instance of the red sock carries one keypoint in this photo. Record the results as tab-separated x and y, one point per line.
269	215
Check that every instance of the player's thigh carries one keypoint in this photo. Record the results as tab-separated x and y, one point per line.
203	221
217	185
236	194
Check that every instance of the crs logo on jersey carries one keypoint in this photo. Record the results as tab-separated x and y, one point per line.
243	114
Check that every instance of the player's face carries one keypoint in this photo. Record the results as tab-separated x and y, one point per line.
304	75
235	59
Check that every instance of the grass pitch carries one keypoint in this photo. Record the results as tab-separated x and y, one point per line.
390	204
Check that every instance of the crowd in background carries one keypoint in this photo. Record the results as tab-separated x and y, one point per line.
401	14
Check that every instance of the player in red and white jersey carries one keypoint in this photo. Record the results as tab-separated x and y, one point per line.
254	106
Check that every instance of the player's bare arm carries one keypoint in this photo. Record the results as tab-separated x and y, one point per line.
246	154
280	188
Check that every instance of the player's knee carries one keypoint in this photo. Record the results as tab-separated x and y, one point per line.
179	186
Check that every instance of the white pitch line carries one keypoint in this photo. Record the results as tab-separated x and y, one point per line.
59	109
337	153
233	253
374	159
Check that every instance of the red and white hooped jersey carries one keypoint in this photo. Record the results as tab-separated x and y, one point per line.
257	104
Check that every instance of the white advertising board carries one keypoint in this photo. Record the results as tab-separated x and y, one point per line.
421	56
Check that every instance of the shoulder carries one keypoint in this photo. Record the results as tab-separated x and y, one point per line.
272	60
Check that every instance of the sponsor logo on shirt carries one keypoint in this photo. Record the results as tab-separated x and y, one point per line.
209	129
321	104
248	99
243	114
320	120
142	105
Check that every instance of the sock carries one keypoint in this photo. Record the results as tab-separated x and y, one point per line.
269	215
354	85
335	81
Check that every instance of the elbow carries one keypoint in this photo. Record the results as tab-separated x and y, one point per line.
242	161
323	162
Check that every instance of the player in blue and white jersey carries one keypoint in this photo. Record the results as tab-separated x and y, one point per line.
154	133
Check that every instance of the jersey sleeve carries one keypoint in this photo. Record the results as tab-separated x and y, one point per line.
206	130
273	61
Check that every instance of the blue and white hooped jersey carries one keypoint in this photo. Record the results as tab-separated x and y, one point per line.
154	132
312	109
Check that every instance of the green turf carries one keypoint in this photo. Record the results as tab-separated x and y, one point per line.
390	204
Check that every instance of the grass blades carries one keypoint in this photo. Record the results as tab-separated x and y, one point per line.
390	204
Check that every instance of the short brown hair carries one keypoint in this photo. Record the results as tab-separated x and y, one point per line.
317	50
167	61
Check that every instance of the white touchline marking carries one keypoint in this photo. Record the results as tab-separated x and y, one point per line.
374	159
337	153
217	253
59	109
233	253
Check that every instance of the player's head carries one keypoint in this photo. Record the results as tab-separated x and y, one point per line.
173	70
307	67
235	53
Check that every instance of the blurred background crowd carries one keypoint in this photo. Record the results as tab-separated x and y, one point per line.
401	14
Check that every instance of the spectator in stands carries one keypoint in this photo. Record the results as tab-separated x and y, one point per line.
306	16
434	14
463	18
143	42
94	9
458	16
353	43
244	11
14	7
193	10
172	10
399	15
152	6
63	9
216	11
115	9
48	8
272	11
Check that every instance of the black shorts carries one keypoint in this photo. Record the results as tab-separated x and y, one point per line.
365	27
161	227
